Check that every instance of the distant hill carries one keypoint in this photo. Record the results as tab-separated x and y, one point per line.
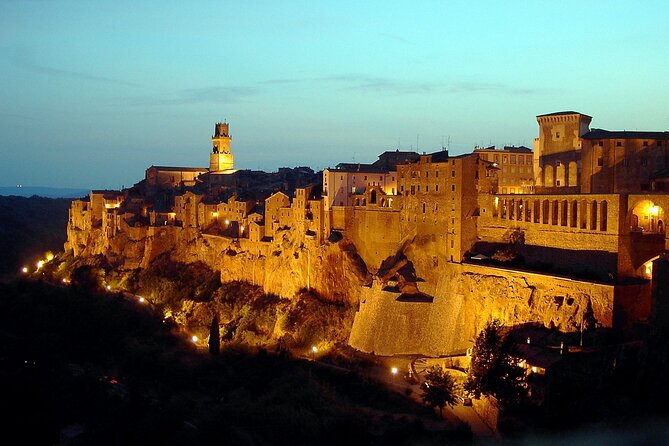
28	228
47	192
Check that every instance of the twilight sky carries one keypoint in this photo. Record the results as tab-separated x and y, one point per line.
94	92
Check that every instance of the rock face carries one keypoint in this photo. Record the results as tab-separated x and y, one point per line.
417	303
282	267
450	303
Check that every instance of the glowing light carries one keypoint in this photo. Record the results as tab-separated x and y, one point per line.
64	280
108	287
534	369
654	210
194	339
214	214
649	269
314	349
242	228
49	256
40	264
24	269
227	222
142	300
393	370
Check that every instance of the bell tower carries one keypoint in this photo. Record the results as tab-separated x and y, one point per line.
221	158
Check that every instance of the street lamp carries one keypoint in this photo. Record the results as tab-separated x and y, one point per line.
393	370
314	350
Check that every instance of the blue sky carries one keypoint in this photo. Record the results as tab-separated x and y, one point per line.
93	92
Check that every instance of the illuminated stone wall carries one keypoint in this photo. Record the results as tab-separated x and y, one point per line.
467	296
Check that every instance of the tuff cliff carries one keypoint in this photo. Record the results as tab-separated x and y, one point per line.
417	302
288	264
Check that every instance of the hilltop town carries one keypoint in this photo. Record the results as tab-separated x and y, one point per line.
568	235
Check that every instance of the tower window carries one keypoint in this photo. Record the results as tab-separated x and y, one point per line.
645	143
600	161
619	143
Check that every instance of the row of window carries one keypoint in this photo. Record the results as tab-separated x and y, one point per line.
416	174
620	143
507	159
415	188
582	214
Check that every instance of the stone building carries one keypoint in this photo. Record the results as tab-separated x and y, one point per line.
515	175
571	157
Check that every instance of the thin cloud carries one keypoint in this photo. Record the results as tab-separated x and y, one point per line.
490	87
280	81
24	62
197	96
382	84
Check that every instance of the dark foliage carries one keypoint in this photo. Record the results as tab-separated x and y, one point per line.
492	371
438	388
214	337
110	365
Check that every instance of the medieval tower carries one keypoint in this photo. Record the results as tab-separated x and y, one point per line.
221	158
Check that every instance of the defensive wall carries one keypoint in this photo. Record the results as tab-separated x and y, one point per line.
468	296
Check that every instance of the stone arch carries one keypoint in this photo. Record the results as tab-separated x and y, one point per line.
559	175
549	179
573	221
372	197
593	215
646	217
603	217
572	171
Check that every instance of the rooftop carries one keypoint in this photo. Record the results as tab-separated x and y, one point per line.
563	113
624	134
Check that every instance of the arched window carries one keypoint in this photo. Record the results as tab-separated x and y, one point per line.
559	175
554	213
563	213
584	214
593	216
549	179
537	211
372	197
574	214
603	217
573	174
545	211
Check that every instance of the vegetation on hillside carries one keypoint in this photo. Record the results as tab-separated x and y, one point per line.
115	369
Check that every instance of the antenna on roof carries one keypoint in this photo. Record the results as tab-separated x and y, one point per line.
416	141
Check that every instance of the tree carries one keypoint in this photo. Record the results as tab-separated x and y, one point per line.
214	337
87	278
438	388
492	371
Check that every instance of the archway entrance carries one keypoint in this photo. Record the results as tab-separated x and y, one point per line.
647	217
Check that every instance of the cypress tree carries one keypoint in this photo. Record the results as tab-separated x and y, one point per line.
214	337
